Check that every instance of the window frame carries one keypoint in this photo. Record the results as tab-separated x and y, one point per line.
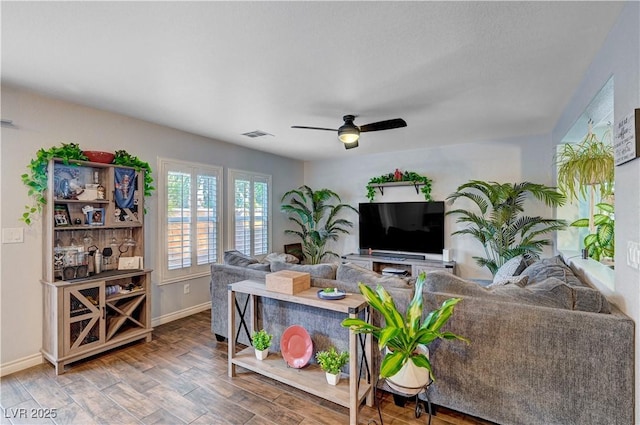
253	177
166	165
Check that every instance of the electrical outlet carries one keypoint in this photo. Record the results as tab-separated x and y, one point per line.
187	288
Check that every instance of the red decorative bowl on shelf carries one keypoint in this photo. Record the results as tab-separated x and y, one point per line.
99	156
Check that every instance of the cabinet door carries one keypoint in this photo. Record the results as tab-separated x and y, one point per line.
84	311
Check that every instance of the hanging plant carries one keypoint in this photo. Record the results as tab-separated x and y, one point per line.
399	176
36	179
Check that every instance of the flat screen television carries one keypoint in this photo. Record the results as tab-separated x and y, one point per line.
402	226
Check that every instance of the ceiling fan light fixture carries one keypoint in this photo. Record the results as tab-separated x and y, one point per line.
348	134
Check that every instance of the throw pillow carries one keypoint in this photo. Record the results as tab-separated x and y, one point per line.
520	281
285	258
260	266
551	267
353	273
323	271
236	258
512	267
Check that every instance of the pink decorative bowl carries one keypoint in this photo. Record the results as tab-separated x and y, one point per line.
98	156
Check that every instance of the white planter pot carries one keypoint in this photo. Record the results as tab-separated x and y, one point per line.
332	379
411	379
262	354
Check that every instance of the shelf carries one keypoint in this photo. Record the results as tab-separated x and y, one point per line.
124	311
310	378
380	186
78	201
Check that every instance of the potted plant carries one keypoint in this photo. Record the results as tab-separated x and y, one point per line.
318	219
331	362
600	244
399	176
405	364
500	224
261	342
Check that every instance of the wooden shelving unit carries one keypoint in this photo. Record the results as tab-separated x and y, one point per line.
88	310
349	393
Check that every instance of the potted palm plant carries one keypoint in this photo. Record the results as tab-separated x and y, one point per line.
500	224
331	362
405	337
261	342
318	219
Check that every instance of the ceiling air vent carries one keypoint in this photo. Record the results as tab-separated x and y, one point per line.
256	133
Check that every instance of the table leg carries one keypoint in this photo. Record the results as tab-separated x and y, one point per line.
231	332
353	378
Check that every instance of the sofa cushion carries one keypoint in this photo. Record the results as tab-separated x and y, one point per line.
590	299
236	258
551	267
324	270
260	266
353	273
512	267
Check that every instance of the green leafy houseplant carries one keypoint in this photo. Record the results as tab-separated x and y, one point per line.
500	224
37	179
584	165
261	340
331	361
403	334
318	219
601	243
398	176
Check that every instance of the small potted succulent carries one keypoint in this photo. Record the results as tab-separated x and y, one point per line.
261	342
331	362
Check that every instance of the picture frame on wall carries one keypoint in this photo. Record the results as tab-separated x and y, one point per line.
61	215
95	217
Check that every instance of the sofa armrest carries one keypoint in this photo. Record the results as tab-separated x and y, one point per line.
530	365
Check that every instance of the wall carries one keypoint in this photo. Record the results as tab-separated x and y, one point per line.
508	160
45	122
619	57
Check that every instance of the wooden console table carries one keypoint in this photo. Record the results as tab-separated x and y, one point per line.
311	378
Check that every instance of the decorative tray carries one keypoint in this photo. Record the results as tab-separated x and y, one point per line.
333	295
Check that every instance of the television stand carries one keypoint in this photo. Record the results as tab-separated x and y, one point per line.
378	261
398	256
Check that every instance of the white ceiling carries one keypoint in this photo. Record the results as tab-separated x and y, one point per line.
457	72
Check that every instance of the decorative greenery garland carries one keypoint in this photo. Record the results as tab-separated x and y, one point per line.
37	180
399	176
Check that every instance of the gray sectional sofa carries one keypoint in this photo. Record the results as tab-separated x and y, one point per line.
545	348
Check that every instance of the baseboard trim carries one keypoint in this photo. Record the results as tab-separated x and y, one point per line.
36	359
180	314
21	364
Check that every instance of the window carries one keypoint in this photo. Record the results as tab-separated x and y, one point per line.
190	219
250	212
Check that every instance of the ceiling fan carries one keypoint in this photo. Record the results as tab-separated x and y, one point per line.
349	133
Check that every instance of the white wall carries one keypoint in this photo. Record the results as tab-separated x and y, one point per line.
509	160
45	122
619	57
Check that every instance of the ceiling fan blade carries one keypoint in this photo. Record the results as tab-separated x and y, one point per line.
314	128
351	145
383	125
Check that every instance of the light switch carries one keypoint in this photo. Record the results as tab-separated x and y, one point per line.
13	235
633	254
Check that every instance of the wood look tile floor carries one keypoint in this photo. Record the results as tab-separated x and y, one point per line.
179	378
